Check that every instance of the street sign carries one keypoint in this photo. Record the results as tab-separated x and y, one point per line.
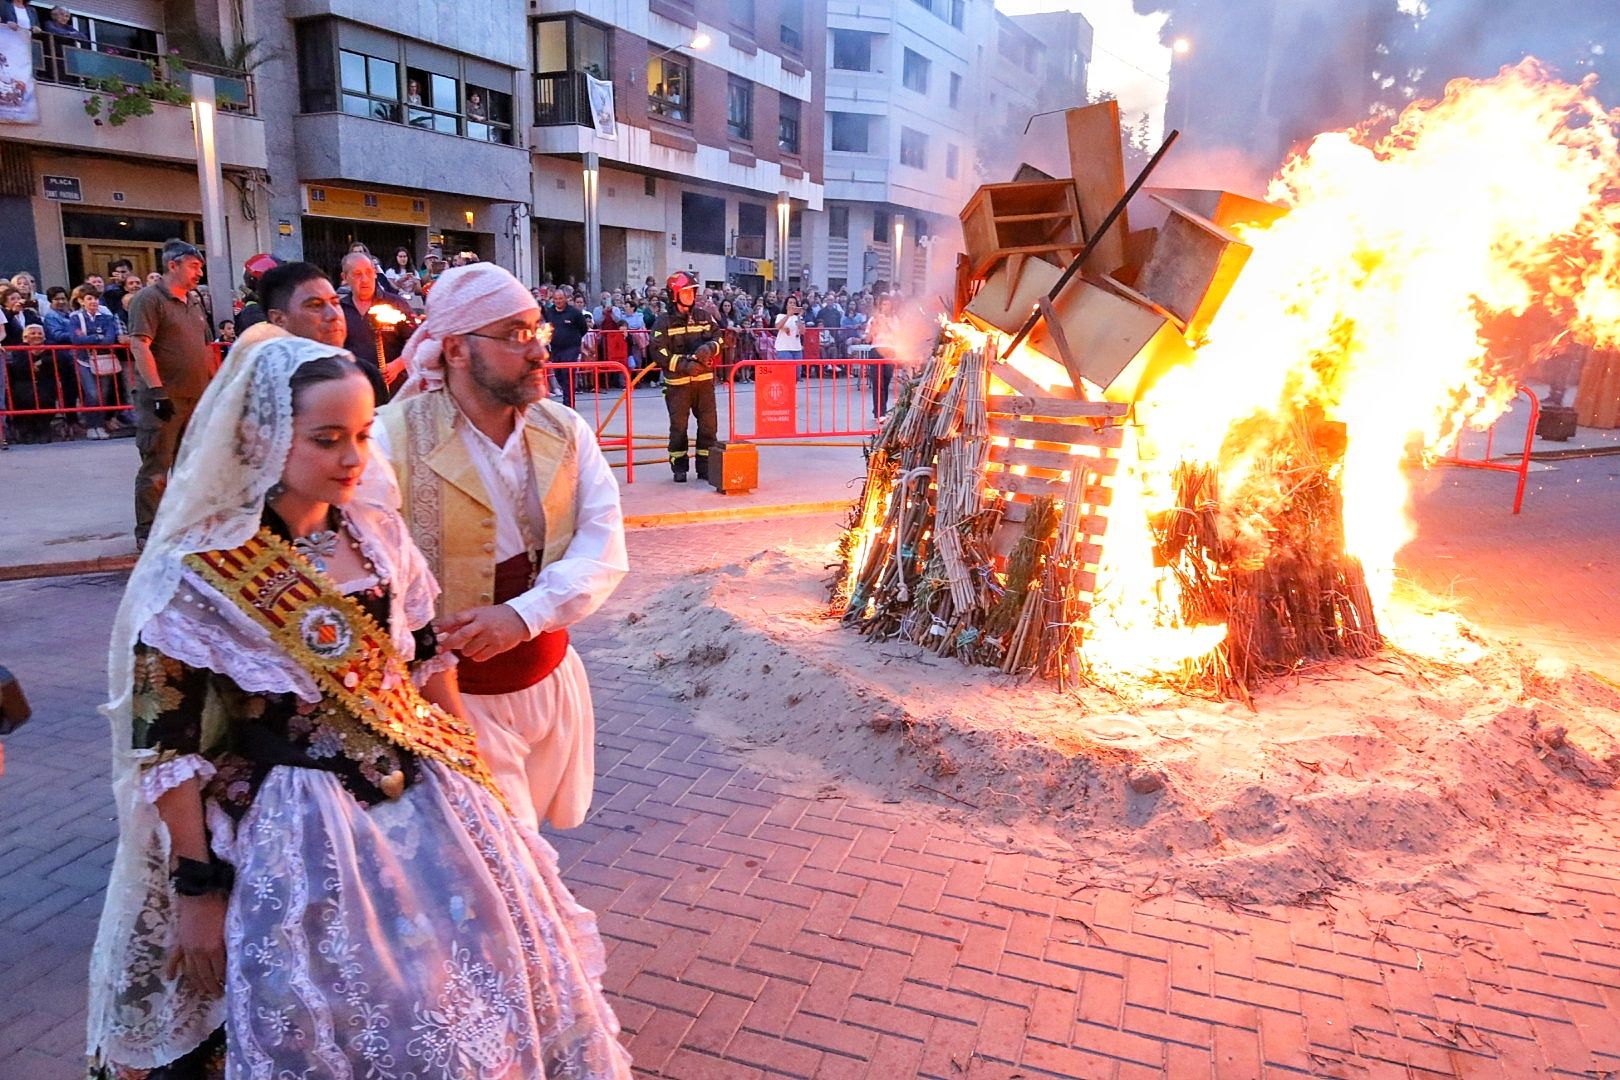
63	188
324	200
284	227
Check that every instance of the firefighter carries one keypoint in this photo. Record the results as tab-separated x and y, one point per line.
685	345
253	272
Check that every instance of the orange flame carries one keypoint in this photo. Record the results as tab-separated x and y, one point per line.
1368	303
383	315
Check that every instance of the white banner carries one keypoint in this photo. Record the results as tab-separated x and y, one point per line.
19	104
600	92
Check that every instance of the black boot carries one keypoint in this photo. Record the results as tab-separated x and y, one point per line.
680	478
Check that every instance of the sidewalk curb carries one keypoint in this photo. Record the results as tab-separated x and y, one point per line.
105	564
118	564
736	513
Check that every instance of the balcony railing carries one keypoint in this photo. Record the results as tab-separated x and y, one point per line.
560	98
64	62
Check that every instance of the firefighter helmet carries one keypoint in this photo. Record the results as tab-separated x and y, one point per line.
678	283
255	268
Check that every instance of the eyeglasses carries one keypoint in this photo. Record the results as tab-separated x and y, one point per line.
523	335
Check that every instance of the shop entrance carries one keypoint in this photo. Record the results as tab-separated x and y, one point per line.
95	239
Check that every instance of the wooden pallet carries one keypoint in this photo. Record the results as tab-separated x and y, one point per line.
1060	448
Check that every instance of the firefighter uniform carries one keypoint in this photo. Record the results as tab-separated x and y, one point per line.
688	381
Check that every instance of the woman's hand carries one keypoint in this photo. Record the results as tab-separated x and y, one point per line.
200	953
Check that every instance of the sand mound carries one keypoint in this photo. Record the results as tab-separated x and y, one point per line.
1396	772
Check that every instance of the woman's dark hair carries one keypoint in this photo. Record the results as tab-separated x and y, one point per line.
54	291
410	263
325	369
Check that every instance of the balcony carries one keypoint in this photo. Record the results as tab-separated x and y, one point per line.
560	99
62	62
66	76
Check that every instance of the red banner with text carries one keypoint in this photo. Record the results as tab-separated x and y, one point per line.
775	401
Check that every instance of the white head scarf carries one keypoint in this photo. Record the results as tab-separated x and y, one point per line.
234	449
461	301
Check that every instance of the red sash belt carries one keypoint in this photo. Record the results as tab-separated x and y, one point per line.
521	666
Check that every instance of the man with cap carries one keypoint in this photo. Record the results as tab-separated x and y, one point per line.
517	512
169	336
685	342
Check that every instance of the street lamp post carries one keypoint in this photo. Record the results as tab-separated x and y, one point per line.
211	184
899	246
784	220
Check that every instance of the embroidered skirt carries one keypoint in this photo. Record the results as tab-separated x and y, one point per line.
427	937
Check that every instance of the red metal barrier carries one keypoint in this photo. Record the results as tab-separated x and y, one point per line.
606	401
1522	469
828	398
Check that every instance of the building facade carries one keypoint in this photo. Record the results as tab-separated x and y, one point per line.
77	195
716	130
921	95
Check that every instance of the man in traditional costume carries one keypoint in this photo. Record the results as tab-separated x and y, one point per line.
518	514
316	873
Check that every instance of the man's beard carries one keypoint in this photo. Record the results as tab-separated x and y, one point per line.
518	393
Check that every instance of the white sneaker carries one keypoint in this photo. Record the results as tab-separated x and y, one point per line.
97	433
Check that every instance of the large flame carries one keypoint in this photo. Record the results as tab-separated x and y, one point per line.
1367	304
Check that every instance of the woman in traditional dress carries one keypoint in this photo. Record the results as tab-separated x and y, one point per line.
315	873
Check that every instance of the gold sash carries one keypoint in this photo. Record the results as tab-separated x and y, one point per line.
352	659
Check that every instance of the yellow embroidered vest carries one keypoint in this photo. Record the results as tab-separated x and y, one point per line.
450	513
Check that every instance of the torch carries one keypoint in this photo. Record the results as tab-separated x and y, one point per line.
386	317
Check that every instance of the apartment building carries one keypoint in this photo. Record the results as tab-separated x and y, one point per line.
921	98
396	126
716	137
76	195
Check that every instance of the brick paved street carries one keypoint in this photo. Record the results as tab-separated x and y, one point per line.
760	929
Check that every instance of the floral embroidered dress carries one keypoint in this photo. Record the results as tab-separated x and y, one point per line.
389	919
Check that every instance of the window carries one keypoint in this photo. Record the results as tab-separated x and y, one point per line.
742	14
703	223
958	13
740	109
564	49
792	32
881	226
669	88
751	229
914	72
913	148
851	50
489	115
432	101
838	222
795	224
956	90
850	132
370	85
317	68
951	162
787	127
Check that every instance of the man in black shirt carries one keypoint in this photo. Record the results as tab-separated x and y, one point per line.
685	342
568	328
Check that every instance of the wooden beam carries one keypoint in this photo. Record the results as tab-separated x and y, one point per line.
1060	341
1081	434
1040	407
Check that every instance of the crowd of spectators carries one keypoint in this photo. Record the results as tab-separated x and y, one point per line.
755	327
77	377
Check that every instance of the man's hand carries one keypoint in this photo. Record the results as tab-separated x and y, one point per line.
162	407
481	633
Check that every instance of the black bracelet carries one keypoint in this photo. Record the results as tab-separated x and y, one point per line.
194	878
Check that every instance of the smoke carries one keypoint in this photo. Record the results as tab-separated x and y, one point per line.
1262	77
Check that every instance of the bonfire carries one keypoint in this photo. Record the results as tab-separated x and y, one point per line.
1179	455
